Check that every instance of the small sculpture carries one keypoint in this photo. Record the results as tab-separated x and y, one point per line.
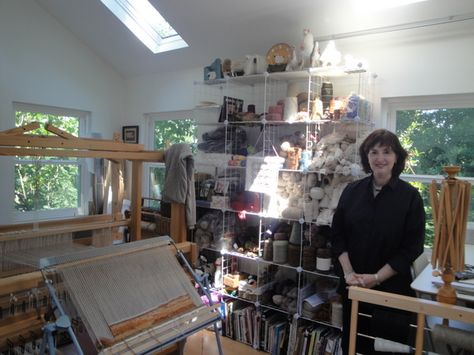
254	64
293	63
330	56
306	48
213	71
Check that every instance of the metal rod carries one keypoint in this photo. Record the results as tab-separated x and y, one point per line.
203	288
401	27
59	308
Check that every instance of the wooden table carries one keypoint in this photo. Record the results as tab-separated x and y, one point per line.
423	283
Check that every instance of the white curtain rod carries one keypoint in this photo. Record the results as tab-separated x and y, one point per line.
401	27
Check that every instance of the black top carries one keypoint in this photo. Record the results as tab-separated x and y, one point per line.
388	228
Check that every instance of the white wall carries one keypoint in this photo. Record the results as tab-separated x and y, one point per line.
43	63
172	91
424	61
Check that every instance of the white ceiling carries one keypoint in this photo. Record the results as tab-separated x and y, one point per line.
232	29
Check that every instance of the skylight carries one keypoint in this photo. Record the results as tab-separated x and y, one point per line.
147	24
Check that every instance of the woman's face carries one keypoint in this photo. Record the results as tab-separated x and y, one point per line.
381	160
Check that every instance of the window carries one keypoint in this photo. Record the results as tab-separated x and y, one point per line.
48	187
437	131
147	24
167	129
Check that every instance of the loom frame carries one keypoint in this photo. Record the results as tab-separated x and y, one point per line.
420	306
19	142
210	314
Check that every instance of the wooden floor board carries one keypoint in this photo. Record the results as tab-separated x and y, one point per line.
204	343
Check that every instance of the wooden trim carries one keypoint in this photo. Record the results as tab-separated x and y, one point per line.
37	141
353	327
178	225
65	228
136	201
412	304
21	282
55	223
419	306
20	130
420	332
61	133
152	156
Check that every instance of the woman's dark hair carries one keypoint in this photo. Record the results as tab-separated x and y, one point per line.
387	139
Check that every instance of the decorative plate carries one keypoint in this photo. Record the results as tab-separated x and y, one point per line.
279	54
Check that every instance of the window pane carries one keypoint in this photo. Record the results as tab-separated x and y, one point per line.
436	138
47	183
157	179
68	124
174	131
46	186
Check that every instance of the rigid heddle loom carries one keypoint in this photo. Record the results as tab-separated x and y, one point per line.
132	298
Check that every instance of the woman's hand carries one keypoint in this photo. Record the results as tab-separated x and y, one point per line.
368	280
353	279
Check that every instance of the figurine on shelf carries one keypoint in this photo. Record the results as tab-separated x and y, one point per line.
306	49
330	56
213	71
293	63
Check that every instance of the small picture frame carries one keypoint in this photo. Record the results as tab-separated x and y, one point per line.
230	107
130	134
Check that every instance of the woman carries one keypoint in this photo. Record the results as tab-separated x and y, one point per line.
378	231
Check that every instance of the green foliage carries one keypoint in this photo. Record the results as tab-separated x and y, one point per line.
167	133
46	186
46	183
436	138
175	131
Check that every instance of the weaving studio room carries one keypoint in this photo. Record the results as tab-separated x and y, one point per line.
207	177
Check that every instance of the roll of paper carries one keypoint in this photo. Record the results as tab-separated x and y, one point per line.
291	109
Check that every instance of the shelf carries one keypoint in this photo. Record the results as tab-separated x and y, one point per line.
328	324
323	72
287	191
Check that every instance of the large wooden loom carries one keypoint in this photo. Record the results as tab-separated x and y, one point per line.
126	306
17	142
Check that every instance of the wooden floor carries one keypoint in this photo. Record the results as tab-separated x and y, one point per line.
204	343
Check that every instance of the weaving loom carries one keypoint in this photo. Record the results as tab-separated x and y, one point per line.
132	298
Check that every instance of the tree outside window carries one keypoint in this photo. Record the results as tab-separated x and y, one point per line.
47	183
166	133
436	138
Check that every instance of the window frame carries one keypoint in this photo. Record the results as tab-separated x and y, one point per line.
84	118
450	101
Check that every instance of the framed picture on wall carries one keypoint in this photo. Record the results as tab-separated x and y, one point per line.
130	134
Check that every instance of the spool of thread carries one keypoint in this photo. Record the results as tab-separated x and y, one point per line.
294	254
309	254
281	236
336	314
280	251
291	109
295	236
308	211
326	94
323	259
268	249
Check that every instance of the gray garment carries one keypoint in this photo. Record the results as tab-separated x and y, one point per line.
179	180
